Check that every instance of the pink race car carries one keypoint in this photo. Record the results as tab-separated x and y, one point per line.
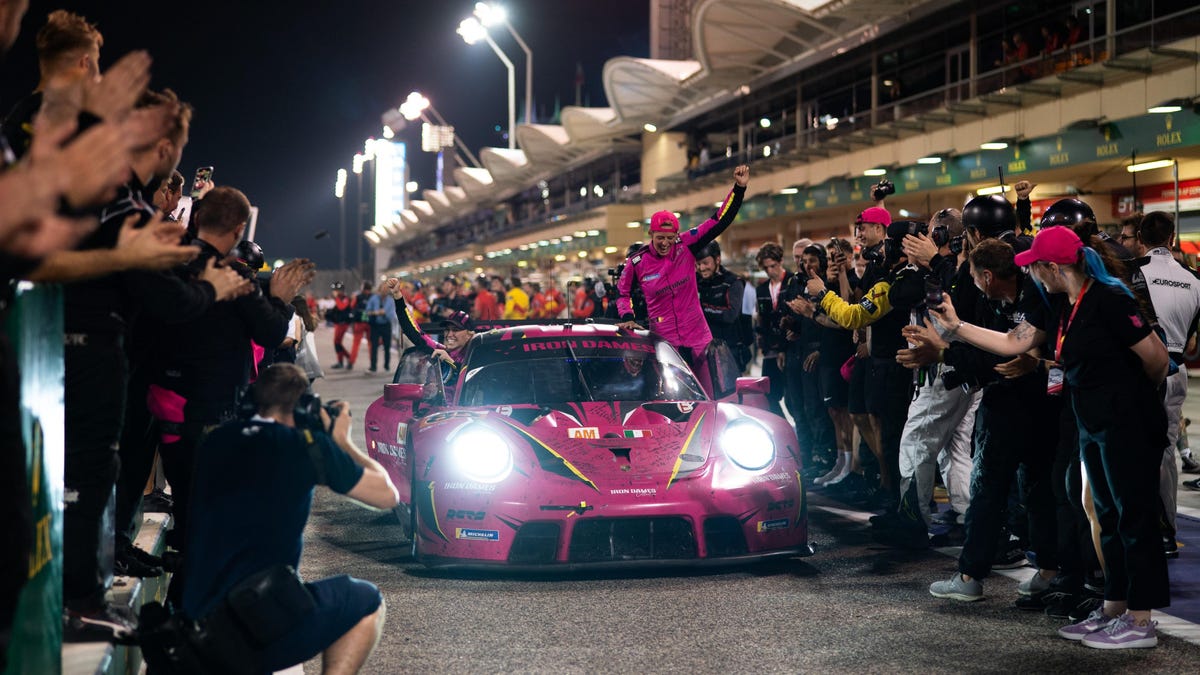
572	445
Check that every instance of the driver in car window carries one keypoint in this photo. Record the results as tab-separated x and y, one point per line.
458	331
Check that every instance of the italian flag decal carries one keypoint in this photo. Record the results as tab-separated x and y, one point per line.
636	433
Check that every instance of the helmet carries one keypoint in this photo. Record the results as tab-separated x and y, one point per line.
990	215
1071	213
710	250
249	254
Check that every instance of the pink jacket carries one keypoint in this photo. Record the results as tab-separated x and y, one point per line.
669	282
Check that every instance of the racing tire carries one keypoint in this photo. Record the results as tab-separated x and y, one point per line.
404	514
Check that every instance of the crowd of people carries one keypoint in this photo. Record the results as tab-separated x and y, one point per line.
1037	377
164	326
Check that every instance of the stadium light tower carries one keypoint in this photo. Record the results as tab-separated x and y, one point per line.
472	31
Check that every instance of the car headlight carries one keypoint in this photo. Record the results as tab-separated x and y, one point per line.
481	454
748	444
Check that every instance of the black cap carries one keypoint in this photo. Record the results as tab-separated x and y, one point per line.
459	320
991	215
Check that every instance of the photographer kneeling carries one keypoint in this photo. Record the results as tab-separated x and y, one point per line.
238	582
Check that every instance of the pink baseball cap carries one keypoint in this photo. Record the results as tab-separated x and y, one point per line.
664	221
1054	244
875	214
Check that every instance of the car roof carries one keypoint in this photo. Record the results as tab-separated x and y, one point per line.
565	329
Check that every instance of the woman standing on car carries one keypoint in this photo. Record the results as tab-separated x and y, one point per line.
1115	366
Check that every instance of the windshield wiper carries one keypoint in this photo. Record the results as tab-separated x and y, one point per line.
579	369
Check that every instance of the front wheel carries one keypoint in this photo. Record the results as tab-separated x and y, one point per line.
404	515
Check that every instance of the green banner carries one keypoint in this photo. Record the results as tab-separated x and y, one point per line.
35	328
1151	136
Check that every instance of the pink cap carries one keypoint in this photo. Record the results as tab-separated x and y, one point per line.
1054	244
876	214
664	221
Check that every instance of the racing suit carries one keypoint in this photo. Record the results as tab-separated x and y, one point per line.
421	340
341	323
669	283
721	298
1175	294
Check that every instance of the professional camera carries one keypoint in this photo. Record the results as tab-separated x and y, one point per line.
896	232
308	413
882	189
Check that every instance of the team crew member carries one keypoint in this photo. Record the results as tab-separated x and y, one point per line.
937	411
772	296
1175	294
722	294
1016	426
1115	366
666	272
278	467
340	316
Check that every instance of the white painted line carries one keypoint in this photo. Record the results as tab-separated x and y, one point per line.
1188	511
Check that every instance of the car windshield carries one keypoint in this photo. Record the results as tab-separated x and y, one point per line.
561	371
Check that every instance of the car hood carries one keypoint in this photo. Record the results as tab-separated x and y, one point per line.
613	444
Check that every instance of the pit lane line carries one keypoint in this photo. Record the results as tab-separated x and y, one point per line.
1171	625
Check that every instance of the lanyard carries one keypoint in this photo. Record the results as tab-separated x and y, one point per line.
1062	329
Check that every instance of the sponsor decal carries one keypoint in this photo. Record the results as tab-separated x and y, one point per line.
771	477
634	491
478	535
505	410
559	345
459	514
469	486
636	259
636	433
390	450
1136	321
583	432
401	432
1170	283
769	525
868	305
651	277
686	407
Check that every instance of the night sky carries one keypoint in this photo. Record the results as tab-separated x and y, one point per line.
286	93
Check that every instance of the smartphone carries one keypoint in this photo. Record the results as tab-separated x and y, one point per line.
203	175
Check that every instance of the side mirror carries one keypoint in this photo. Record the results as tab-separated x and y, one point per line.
402	392
752	391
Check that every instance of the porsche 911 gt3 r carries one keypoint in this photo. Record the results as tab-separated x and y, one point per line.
579	445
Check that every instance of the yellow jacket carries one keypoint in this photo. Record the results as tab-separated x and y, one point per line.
871	308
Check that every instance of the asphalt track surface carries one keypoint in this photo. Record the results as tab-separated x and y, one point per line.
852	607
